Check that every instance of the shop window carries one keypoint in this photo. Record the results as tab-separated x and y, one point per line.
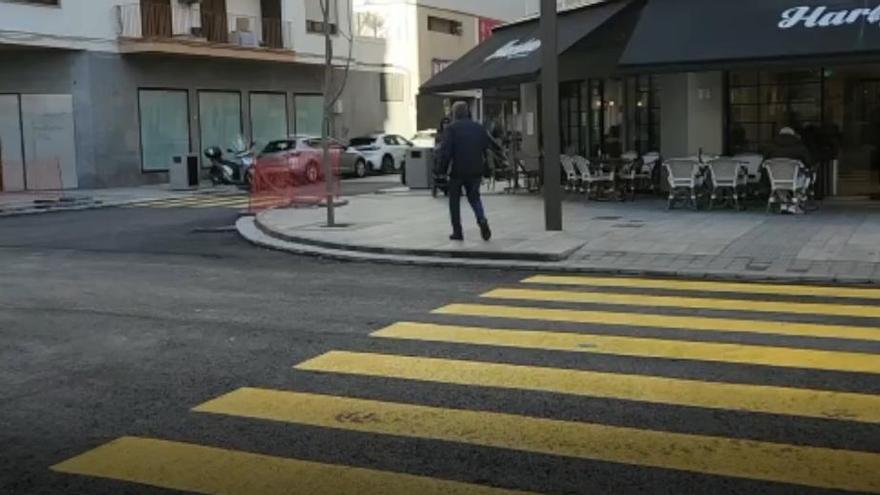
760	103
268	117
164	127
220	119
309	114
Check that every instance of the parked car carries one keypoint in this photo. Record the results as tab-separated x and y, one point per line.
383	152
304	155
425	138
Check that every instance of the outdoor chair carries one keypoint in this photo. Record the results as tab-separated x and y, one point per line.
645	173
529	167
572	179
627	176
753	163
785	186
593	179
729	178
685	179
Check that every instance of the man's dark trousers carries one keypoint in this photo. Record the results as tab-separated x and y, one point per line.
472	190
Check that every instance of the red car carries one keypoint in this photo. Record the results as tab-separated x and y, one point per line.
302	157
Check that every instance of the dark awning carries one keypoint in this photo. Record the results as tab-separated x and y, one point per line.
512	54
689	33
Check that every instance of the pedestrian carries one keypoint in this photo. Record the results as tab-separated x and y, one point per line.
463	156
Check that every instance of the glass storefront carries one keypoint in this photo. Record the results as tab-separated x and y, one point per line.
268	117
610	116
220	119
309	114
164	126
836	111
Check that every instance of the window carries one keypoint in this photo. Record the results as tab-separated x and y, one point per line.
391	141
363	141
445	26
220	119
268	117
315	17
370	25
391	87
763	102
278	146
164	126
309	114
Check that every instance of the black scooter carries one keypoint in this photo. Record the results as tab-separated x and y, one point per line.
237	172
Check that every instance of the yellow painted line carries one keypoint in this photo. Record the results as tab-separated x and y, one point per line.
799	465
685	302
703	286
698	323
638	347
174	203
208	470
712	395
222	202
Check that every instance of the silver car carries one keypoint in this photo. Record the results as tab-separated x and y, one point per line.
351	162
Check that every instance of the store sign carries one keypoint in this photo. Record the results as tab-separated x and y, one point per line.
515	49
822	17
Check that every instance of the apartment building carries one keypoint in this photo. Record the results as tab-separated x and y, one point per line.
101	93
423	37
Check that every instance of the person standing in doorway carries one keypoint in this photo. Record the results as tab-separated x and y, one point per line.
463	156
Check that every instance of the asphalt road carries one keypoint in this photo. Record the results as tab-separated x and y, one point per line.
116	323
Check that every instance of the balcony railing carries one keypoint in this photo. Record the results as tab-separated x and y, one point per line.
160	21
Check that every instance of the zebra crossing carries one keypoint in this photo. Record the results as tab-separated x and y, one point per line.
233	201
827	335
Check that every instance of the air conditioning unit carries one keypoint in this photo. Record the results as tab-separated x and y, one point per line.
458	30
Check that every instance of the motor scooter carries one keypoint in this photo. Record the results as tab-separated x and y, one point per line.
236	171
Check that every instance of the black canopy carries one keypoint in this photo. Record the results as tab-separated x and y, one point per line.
513	53
689	33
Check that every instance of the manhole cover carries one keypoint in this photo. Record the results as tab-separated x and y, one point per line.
608	218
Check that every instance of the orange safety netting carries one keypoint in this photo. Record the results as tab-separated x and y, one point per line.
296	178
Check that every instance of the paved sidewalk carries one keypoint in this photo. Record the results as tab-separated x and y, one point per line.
839	243
30	203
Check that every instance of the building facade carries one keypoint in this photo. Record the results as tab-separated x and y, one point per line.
102	93
423	37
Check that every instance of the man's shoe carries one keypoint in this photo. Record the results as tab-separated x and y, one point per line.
456	237
485	231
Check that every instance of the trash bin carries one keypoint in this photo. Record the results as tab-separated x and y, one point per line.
420	168
184	173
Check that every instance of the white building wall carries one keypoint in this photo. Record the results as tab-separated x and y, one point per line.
76	24
692	112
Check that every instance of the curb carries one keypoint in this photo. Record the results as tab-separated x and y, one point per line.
249	231
421	253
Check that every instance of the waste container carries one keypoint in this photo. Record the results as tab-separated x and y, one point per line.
184	173
420	168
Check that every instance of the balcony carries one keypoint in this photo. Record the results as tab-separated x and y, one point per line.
178	28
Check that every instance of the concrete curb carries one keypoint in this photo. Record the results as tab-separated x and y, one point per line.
420	253
248	229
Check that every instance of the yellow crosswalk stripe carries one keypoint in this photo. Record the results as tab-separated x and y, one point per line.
208	470
222	202
712	395
637	347
697	323
685	302
704	286
793	464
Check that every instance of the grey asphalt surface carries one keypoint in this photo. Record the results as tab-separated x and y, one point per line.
117	322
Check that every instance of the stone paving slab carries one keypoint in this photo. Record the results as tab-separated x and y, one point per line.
835	244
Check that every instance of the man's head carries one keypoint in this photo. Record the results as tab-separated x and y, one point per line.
460	111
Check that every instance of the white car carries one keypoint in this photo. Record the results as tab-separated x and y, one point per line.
425	138
383	152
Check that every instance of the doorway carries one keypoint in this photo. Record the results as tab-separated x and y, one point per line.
156	18
11	157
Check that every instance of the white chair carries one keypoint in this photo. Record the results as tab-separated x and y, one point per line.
645	174
593	180
572	179
627	176
684	177
753	162
729	177
786	187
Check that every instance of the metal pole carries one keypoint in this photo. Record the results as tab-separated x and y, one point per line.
550	116
327	115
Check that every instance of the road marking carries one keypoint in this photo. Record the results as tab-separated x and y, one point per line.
703	286
208	470
223	202
685	302
799	465
663	321
637	347
712	395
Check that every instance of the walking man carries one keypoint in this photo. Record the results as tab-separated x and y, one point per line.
462	155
